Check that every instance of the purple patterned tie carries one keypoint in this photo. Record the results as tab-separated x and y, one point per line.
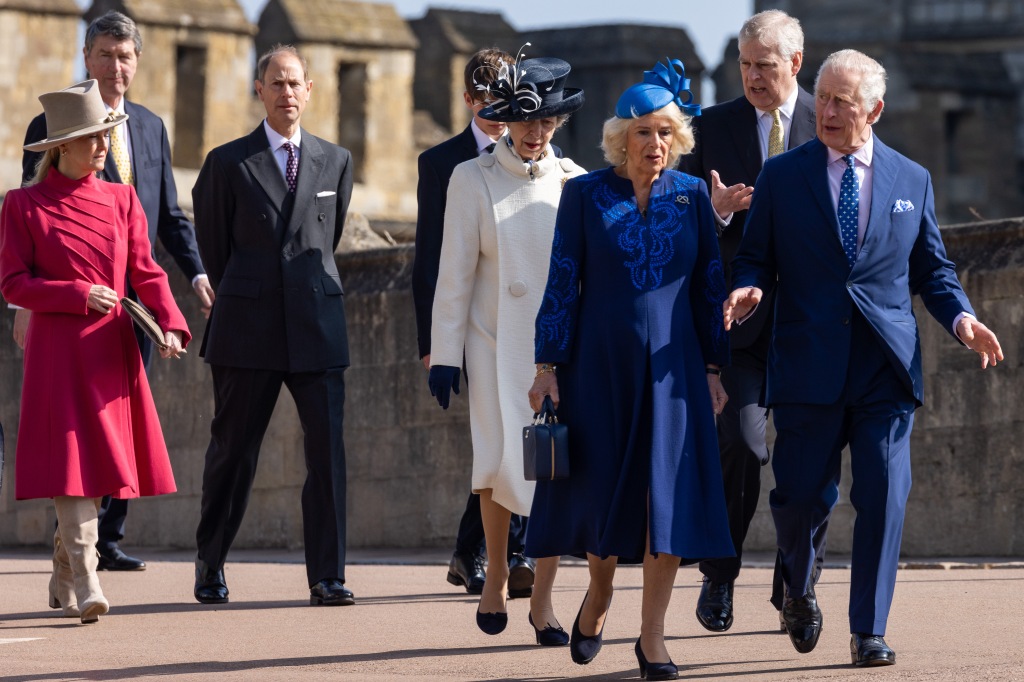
291	170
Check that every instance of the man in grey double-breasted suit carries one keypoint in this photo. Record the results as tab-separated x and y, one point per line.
270	208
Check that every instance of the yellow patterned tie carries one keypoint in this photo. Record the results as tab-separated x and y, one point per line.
120	151
775	135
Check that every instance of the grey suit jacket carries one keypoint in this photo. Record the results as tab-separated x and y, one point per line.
270	256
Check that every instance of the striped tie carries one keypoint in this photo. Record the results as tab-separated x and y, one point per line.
120	151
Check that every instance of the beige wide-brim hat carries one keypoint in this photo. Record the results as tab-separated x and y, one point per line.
74	112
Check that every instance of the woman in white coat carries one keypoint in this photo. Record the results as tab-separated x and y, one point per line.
498	228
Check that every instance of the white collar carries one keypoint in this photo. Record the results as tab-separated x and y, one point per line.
483	140
119	109
863	155
786	108
276	139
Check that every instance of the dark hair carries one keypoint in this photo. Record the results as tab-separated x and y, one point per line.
115	25
276	49
483	68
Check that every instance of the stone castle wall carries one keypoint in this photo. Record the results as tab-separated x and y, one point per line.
409	462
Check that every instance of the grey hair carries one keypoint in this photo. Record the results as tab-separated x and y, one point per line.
872	81
115	25
276	49
774	29
613	136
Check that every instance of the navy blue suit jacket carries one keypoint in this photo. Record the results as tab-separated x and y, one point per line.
727	141
154	183
792	234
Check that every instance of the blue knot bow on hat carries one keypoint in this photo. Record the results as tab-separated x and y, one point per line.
663	84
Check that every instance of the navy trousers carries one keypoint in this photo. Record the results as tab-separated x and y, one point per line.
874	417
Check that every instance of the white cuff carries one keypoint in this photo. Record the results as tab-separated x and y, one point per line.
201	275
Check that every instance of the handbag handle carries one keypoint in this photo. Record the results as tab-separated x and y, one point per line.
547	412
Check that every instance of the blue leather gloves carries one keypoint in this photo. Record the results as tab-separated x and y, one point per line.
442	380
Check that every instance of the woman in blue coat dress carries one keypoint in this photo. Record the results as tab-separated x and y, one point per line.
631	321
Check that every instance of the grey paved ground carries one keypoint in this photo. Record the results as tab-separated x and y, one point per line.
949	623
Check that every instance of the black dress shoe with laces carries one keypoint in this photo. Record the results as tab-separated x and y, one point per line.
467	569
211	587
714	605
803	622
521	571
331	592
113	559
870	650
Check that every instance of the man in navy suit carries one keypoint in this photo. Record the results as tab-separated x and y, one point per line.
845	228
435	170
112	49
733	140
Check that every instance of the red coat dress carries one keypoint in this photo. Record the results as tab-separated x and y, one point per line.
88	425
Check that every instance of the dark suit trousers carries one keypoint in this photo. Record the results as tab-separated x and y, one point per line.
244	402
470	539
874	416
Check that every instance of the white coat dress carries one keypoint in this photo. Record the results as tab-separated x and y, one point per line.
498	227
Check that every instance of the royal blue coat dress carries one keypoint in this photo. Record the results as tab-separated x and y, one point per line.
631	315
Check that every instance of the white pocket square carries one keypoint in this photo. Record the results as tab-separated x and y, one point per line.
902	206
325	194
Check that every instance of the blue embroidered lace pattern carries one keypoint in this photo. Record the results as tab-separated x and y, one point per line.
715	294
559	298
648	243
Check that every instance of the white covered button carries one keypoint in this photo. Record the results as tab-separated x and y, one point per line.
517	288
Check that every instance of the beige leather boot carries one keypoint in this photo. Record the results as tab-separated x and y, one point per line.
79	530
62	580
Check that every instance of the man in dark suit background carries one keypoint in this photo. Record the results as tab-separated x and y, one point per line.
112	49
435	170
270	208
733	140
844	228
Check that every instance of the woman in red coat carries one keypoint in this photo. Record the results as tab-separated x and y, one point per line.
89	427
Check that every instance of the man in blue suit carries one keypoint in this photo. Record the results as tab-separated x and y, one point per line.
112	48
846	227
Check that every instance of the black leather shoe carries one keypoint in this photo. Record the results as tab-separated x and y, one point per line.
468	570
521	572
550	635
714	605
867	650
116	560
211	587
584	649
654	671
803	622
331	592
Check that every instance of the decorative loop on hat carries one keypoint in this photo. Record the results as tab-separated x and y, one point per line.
676	82
509	93
661	85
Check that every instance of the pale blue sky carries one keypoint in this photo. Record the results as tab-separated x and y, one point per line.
709	23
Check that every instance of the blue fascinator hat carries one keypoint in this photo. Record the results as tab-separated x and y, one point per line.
663	84
530	89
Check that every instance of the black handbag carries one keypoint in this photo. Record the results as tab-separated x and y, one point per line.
546	446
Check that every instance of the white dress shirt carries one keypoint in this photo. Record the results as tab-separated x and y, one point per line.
277	140
483	140
764	123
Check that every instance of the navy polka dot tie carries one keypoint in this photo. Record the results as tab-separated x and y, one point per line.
291	169
849	210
